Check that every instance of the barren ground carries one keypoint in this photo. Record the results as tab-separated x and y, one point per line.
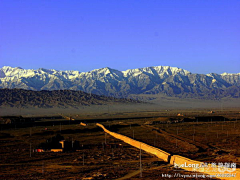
216	141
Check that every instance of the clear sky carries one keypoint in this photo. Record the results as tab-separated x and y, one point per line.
201	36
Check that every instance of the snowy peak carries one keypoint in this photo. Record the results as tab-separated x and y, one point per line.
171	70
6	68
227	74
105	71
172	81
156	70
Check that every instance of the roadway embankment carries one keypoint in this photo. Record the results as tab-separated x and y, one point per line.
150	149
227	173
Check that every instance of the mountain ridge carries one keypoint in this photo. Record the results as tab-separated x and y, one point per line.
22	98
171	81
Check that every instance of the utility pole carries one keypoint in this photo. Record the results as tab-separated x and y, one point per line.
140	159
30	150
83	159
42	168
105	138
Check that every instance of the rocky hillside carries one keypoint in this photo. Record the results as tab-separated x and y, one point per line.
56	98
170	81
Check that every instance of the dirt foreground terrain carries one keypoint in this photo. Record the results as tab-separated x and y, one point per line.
101	156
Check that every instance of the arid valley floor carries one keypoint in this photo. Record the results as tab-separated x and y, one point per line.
207	136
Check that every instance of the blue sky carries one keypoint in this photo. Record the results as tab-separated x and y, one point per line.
196	35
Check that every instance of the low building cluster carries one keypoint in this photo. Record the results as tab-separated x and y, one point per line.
58	144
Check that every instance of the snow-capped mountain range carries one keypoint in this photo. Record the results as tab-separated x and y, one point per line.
166	80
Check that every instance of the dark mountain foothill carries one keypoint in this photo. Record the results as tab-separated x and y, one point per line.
57	98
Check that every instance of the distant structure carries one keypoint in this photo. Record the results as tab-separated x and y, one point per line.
15	119
5	121
22	120
56	150
69	118
58	144
148	123
179	114
83	124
